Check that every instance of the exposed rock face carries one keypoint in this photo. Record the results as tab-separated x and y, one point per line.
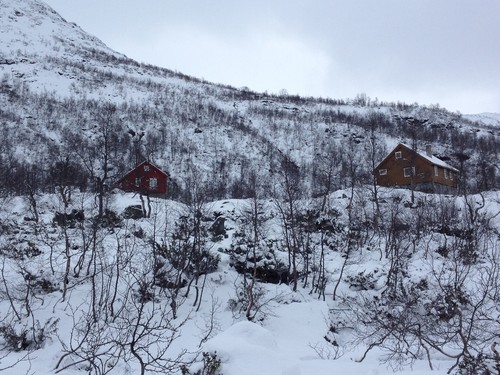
69	219
133	212
218	228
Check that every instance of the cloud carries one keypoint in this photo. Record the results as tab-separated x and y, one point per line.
266	60
422	51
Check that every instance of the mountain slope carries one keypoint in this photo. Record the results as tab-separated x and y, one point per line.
57	80
486	118
32	32
33	28
317	270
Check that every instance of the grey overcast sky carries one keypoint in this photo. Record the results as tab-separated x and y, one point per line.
444	52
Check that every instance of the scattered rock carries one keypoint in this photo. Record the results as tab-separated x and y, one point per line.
217	228
69	219
133	212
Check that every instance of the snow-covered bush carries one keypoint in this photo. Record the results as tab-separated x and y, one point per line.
211	366
363	280
260	260
19	337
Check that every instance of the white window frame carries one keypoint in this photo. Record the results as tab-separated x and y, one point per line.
382	172
146	168
409	171
137	181
436	171
445	173
398	155
451	175
153	183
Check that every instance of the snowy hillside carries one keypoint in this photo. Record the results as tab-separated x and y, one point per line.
32	34
275	252
486	118
118	270
59	84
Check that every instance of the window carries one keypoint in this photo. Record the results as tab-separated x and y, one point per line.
446	173
146	168
137	182
409	171
382	172
436	171
153	183
398	154
451	175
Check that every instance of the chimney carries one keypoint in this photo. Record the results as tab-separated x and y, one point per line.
428	150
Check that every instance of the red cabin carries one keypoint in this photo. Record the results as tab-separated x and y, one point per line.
146	178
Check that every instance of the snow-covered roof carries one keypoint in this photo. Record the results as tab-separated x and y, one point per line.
431	158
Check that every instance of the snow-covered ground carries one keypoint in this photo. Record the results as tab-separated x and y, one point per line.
485	118
288	337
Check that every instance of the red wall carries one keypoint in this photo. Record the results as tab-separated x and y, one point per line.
139	180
